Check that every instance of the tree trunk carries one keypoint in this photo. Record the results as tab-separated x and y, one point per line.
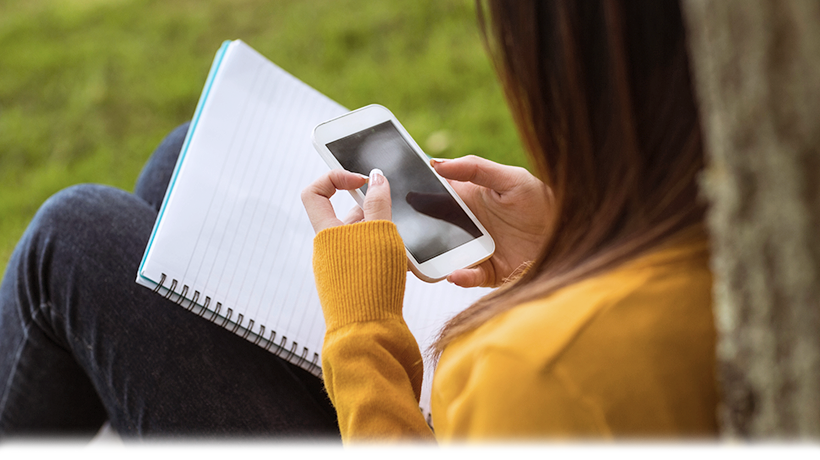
756	68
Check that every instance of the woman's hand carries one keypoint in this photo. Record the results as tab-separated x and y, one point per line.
512	204
316	198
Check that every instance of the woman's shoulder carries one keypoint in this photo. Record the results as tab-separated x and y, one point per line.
664	289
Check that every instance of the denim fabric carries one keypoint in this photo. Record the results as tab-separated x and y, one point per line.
81	342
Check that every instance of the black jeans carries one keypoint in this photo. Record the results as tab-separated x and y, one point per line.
82	343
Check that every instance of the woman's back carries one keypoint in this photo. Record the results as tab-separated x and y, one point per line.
629	352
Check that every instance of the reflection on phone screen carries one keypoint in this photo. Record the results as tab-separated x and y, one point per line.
429	220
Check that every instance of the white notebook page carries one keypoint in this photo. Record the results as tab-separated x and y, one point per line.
232	227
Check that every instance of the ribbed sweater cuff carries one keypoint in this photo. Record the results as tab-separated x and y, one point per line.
360	271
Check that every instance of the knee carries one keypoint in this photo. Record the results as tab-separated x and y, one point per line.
157	172
170	147
177	136
75	205
83	209
84	232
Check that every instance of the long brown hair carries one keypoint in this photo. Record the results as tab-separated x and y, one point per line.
601	94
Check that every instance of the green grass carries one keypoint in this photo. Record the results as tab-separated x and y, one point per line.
88	88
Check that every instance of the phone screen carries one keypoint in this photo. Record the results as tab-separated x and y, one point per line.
429	220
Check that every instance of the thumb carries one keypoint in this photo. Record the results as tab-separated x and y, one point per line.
469	277
377	204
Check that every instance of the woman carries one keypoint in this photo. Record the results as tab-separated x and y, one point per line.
607	331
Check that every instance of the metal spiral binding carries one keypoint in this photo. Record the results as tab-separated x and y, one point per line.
161	282
248	329
171	289
292	351
260	335
193	301
282	344
302	358
270	340
238	323
182	295
314	363
227	317
280	350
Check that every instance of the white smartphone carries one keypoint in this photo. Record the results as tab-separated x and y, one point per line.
440	232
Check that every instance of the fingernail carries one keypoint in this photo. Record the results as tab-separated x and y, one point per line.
376	177
436	161
362	176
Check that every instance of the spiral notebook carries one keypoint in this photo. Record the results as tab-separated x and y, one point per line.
232	242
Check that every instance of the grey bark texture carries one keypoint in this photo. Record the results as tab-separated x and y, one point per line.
756	69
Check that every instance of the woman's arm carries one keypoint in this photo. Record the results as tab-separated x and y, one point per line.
371	362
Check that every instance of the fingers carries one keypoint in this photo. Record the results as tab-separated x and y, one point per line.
377	204
355	215
316	197
469	277
480	171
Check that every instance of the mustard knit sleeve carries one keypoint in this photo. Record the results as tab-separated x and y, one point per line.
371	362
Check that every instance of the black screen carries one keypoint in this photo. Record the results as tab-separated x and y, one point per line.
429	220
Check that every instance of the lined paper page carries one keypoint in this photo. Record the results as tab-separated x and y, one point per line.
233	228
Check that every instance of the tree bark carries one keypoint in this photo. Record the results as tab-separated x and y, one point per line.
756	69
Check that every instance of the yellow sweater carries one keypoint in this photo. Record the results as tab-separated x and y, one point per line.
628	353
